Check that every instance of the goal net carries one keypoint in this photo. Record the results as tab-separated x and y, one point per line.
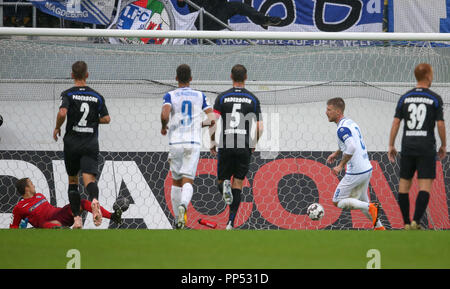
288	171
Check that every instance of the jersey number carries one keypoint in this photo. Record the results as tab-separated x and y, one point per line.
235	115
85	110
363	146
417	115
186	112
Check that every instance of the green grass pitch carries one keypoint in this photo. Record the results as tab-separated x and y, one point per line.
216	249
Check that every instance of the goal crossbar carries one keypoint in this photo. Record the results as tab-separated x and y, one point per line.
257	35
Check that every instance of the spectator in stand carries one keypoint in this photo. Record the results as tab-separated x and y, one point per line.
224	10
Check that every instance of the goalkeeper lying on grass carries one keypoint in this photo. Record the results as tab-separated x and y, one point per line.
41	214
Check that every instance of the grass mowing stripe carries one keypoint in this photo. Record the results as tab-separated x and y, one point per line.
240	249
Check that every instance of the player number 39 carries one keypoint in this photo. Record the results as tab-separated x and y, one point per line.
417	115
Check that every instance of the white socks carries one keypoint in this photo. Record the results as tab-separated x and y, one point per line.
181	196
176	199
354	204
186	194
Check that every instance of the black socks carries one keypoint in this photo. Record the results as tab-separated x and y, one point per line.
74	199
403	201
235	204
92	190
421	205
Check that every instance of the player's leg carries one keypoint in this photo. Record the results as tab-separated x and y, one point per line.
224	173
236	189
241	161
403	201
86	205
426	173
63	216
348	193
115	216
187	191
422	200
175	160
89	169
175	195
191	156
72	164
52	225
372	212
92	190
407	170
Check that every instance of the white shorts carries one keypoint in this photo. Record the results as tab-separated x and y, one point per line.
353	186
183	161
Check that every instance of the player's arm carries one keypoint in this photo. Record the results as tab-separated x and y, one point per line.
216	115
165	113
104	120
17	217
345	135
104	117
350	148
259	123
208	110
332	158
60	118
259	129
442	152
211	118
392	152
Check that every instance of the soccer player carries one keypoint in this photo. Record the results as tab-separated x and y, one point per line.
85	109
421	109
41	214
242	127
351	192
182	119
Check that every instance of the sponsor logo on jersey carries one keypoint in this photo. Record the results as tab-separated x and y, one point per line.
37	205
85	98
419	100
237	99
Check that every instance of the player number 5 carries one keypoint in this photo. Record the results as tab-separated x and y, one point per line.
235	115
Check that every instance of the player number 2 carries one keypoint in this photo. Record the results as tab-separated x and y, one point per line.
85	109
417	115
363	146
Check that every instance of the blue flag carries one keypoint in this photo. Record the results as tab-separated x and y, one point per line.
87	11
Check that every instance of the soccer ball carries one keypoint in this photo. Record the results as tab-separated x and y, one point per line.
315	211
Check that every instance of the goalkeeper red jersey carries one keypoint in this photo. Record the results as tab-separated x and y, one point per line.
37	209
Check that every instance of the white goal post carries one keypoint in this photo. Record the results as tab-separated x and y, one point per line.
257	35
288	171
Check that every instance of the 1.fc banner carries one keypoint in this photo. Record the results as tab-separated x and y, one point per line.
312	15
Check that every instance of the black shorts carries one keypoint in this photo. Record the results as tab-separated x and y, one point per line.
233	162
81	156
424	165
